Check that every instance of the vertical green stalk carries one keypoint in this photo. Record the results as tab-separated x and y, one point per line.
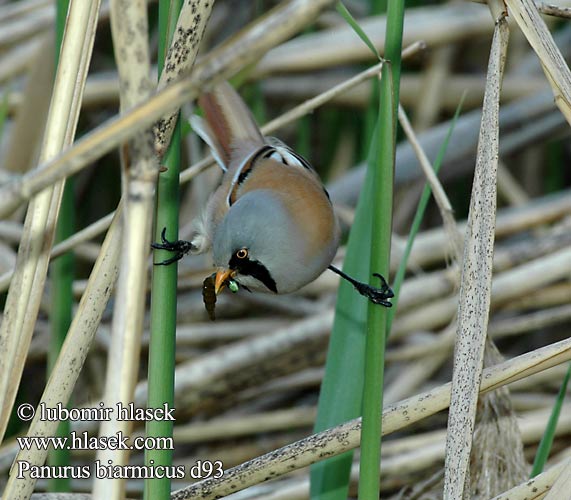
340	398
62	274
164	284
546	442
383	174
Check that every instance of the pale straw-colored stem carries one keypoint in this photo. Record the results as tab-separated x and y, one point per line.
476	282
24	295
129	29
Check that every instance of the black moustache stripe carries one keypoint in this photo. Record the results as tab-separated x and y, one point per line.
254	269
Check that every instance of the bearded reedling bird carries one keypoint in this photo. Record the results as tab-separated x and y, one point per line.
270	224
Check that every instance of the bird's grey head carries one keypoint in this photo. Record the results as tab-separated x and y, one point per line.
257	239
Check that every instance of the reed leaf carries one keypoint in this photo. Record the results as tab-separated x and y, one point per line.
546	442
369	242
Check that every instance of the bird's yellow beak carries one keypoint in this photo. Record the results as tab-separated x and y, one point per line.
222	276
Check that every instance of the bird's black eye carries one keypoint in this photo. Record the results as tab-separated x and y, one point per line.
242	253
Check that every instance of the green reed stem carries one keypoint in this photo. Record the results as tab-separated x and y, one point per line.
164	284
382	165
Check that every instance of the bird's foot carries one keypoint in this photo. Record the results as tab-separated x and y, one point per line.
180	247
376	295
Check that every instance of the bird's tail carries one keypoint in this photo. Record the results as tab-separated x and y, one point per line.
228	124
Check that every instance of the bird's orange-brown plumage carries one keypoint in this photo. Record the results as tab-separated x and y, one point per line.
302	196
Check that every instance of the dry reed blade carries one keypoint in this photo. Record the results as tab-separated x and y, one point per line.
562	485
26	289
537	487
414	455
476	282
429	246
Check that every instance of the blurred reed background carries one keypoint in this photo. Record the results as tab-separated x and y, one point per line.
248	384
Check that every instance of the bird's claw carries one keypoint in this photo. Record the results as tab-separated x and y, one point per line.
374	294
180	247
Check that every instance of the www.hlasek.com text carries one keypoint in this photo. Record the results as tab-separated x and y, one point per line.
83	441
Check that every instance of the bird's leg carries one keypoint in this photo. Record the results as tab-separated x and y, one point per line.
181	247
374	294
